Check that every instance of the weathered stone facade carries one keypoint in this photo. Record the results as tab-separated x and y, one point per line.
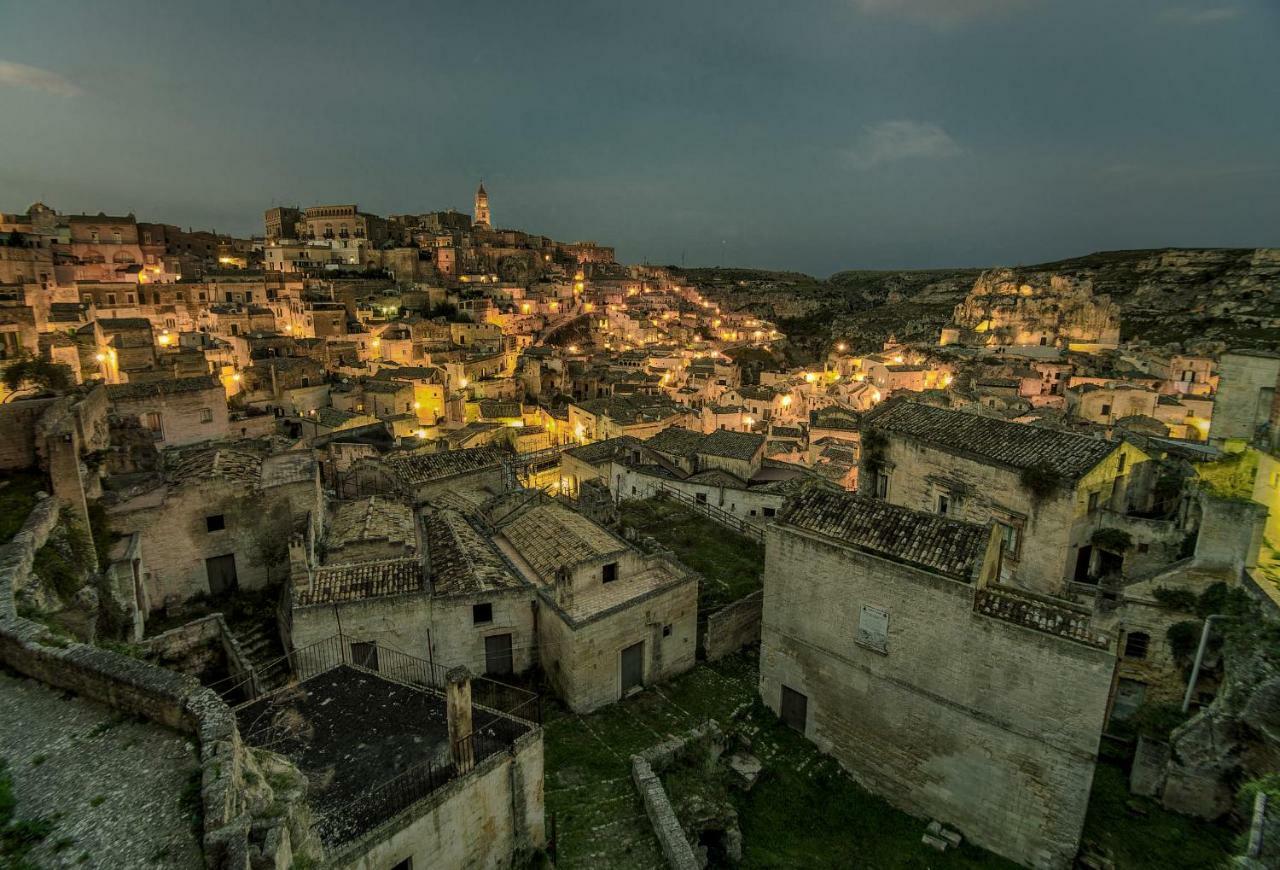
988	723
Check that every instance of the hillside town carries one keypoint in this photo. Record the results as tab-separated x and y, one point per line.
410	541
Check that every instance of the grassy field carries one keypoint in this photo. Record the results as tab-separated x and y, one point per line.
730	564
804	811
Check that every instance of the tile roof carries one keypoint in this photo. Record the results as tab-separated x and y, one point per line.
334	584
600	451
676	441
1010	444
491	408
376	518
731	445
549	536
461	560
926	540
426	467
209	461
157	389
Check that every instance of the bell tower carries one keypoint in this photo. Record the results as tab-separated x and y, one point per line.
482	207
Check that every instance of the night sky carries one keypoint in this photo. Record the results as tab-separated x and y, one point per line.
805	135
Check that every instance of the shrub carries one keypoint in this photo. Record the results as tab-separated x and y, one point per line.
1176	599
1112	540
1183	638
1041	479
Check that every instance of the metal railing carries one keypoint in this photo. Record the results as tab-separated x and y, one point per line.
712	512
383	801
493	700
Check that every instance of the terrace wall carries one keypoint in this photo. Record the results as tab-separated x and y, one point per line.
733	626
135	687
493	816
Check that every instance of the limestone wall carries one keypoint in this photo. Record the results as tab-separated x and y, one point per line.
232	790
990	726
584	660
733	626
17	432
492	817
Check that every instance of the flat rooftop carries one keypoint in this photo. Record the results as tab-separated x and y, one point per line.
368	746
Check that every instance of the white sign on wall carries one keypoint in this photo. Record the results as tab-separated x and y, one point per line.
873	628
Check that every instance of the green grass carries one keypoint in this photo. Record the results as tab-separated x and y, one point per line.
17	836
803	812
730	564
1137	832
17	498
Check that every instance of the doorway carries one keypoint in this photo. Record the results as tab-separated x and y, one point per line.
795	709
1084	561
497	654
633	667
221	571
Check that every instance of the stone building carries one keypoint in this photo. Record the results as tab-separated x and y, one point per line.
422	477
1046	490
177	412
610	619
435	588
886	642
1247	400
210	522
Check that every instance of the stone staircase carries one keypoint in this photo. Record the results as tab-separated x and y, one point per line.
259	643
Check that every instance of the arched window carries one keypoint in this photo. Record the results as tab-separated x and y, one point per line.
1135	644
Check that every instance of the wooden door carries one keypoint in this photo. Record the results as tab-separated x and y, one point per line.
221	571
633	667
795	709
497	654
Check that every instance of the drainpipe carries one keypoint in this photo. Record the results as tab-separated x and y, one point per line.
1195	669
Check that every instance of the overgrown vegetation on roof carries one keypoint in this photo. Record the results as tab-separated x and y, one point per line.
731	564
1230	477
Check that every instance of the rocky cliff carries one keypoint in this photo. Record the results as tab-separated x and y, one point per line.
1202	299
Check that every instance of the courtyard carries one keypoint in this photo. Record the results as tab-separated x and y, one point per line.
804	811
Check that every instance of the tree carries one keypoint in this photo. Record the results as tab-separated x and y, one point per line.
36	373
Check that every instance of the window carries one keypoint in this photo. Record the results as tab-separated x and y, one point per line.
1093	502
93	236
365	654
1135	645
406	864
944	503
1011	536
666	630
609	573
882	485
769	512
702	497
206	415
481	614
1120	463
215	523
151	421
1106	410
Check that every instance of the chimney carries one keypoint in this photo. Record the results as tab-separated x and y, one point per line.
564	587
458	703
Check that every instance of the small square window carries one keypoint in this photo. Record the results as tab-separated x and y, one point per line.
481	614
215	523
609	573
206	415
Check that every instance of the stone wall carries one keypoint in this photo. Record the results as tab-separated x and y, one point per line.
675	845
17	432
583	659
244	822
989	725
492	817
733	626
